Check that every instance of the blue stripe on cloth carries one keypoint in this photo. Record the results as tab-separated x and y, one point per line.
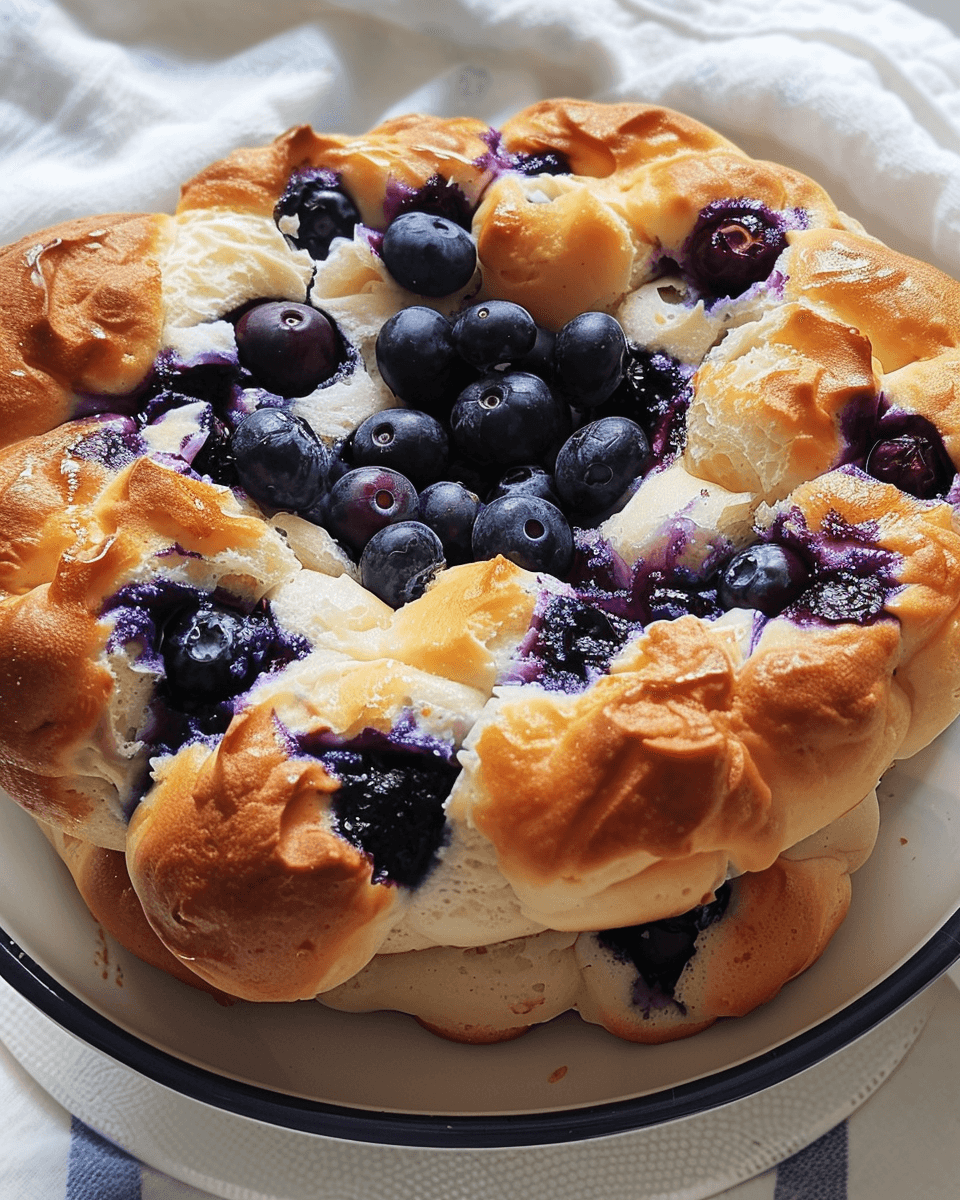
98	1170
817	1173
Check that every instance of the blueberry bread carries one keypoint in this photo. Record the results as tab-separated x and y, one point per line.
480	573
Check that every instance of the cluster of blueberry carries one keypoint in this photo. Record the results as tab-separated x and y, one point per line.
487	453
506	436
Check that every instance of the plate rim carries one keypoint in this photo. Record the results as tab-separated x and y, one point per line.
483	1131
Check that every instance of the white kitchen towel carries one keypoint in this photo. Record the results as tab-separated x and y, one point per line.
106	107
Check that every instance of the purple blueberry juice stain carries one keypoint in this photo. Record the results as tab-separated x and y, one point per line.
115	444
438	196
852	578
660	950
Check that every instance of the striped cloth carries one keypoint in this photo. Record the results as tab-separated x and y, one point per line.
904	1141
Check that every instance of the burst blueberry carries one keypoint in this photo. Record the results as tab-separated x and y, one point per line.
211	653
288	348
530	532
279	459
399	561
323	211
733	245
429	255
914	463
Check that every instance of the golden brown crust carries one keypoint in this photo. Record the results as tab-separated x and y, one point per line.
80	311
909	310
602	140
585	792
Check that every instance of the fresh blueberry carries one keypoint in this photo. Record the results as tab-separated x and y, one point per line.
507	419
418	360
290	349
526	481
598	462
531	532
450	510
365	500
211	653
914	463
279	459
494	333
409	441
324	212
429	255
733	245
766	577
590	358
399	561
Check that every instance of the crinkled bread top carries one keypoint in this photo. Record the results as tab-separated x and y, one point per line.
478	572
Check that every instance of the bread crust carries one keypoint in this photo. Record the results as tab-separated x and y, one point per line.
713	747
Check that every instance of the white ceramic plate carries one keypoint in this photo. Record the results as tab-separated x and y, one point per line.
380	1078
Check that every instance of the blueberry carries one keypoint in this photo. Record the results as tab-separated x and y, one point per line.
399	561
494	333
450	509
279	460
390	805
661	949
402	438
290	349
590	357
526	481
531	532
766	577
215	457
914	463
598	462
418	360
509	418
324	212
364	501
211	653
429	255
733	245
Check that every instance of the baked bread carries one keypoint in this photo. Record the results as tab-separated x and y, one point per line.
477	573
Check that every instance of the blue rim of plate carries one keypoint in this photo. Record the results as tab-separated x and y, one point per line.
938	953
